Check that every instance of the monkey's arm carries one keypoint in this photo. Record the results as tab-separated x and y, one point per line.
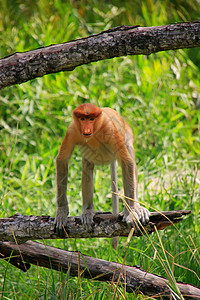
132	211
115	197
62	161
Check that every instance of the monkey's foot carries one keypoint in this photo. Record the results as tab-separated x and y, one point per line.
61	220
87	218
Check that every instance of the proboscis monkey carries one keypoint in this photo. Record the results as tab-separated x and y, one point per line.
104	137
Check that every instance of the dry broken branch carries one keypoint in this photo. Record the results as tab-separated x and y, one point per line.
132	278
23	228
120	41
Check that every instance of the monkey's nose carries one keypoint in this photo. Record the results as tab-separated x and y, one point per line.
87	132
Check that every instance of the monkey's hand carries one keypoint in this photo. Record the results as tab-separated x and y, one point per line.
61	219
87	218
137	216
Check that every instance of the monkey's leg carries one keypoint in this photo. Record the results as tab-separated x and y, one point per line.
87	193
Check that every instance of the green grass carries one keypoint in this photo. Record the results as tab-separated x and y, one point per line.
158	95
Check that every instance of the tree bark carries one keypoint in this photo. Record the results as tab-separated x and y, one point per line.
22	228
120	41
132	278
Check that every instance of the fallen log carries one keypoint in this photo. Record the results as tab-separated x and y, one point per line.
107	225
132	279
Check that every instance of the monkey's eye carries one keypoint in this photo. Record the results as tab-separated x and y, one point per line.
82	119
91	119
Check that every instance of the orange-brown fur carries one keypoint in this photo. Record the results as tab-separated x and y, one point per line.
104	137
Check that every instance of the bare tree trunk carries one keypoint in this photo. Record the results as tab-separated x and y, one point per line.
23	228
132	278
119	41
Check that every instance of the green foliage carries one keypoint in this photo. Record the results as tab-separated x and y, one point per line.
158	95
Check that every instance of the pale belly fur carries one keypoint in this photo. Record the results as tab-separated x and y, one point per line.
99	156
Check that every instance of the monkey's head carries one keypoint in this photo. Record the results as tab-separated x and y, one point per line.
86	116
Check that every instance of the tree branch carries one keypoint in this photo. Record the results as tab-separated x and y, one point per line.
132	278
120	41
23	228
